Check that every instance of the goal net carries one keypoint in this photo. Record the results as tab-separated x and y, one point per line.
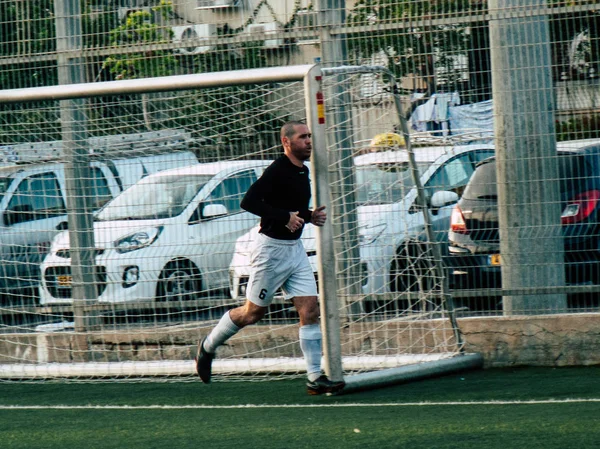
123	239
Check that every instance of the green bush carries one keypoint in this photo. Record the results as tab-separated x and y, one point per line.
585	127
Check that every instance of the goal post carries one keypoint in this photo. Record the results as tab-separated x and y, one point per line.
164	272
329	305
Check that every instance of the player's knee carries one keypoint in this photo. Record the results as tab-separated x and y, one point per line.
312	316
310	313
253	314
254	317
247	314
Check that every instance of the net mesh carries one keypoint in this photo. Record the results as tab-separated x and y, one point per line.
166	269
220	139
389	283
394	297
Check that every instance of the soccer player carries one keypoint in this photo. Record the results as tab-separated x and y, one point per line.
280	197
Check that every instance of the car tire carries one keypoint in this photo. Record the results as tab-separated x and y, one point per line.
411	269
180	280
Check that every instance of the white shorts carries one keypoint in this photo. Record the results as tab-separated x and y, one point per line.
279	264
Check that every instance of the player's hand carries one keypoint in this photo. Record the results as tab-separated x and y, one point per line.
319	216
295	222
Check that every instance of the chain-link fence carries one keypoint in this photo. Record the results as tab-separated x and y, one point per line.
457	82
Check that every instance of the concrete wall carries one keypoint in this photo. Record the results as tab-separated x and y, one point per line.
545	340
550	340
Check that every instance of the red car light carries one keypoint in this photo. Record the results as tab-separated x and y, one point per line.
580	207
457	221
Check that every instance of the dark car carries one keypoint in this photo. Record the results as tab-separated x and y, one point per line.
474	244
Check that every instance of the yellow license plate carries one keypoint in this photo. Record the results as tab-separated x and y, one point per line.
65	280
495	259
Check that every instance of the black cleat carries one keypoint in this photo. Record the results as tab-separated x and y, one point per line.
204	362
323	385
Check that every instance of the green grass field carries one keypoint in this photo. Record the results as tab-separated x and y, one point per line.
509	408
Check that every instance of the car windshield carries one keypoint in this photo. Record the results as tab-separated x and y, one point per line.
155	197
385	183
4	185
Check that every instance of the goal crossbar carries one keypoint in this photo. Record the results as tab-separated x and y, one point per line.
158	84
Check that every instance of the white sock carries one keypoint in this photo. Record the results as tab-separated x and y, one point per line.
310	343
223	331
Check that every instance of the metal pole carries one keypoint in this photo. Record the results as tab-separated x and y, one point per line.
77	172
158	84
330	312
528	194
431	240
334	52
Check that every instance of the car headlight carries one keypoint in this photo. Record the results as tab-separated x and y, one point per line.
137	240
370	234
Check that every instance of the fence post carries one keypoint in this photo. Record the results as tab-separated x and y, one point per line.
77	171
527	169
333	47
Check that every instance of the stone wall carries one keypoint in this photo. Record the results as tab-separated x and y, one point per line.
545	340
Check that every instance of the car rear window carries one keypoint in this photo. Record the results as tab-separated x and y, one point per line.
574	173
483	182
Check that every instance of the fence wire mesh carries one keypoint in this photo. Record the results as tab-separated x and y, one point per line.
522	237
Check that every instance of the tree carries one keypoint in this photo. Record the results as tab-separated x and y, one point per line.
435	54
140	28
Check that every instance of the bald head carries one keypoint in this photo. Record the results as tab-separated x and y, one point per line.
288	129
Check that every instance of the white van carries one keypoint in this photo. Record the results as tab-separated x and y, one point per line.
33	199
170	237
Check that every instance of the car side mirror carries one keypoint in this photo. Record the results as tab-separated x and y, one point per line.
443	198
213	210
204	211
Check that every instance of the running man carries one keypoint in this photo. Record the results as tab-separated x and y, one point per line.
280	197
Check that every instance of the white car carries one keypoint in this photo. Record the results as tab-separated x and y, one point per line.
168	237
391	224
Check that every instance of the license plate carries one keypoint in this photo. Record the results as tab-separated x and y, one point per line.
64	280
495	259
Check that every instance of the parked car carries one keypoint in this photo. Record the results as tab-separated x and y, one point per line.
474	258
390	222
33	200
168	237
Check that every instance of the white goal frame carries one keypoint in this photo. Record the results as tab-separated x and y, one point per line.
312	77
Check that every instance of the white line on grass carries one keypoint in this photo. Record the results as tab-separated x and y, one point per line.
250	406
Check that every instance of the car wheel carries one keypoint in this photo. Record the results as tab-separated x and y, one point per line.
180	280
412	269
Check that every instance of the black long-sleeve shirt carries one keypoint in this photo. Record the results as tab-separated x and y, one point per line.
282	188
